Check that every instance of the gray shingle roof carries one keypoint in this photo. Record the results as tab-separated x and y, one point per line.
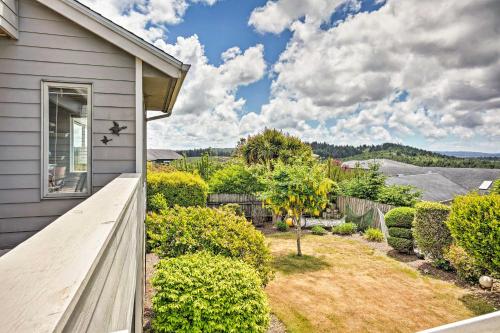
434	186
163	154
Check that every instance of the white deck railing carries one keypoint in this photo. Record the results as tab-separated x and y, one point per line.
489	323
82	273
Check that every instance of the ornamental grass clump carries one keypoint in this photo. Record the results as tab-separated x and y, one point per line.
474	223
399	221
207	293
183	230
373	235
430	231
178	188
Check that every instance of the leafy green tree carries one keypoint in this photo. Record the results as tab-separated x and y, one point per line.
364	186
296	189
235	178
399	195
272	145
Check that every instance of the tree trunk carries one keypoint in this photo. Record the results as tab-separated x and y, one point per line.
299	231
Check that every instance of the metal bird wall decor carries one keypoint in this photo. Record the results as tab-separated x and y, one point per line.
116	129
105	140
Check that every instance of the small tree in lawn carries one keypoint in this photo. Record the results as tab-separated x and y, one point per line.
297	189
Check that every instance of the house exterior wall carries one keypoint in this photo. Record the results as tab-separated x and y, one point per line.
52	48
8	18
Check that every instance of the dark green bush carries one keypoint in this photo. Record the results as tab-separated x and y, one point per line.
475	225
430	232
400	233
318	230
157	203
182	230
401	244
178	188
374	235
465	265
235	178
400	217
206	293
282	226
345	229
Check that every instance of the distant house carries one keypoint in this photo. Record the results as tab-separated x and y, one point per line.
163	155
436	183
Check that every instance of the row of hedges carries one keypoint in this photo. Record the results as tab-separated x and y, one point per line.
465	235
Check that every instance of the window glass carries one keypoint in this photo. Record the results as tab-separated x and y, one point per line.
68	151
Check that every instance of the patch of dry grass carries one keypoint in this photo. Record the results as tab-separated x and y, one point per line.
353	288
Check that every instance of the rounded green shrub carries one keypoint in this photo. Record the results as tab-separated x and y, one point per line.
430	232
318	230
178	188
400	217
235	178
183	230
466	267
400	233
374	235
282	226
157	203
345	229
401	245
474	223
206	293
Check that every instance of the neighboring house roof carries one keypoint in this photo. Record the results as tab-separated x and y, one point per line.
163	154
434	187
125	40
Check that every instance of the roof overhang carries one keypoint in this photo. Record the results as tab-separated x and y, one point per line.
169	72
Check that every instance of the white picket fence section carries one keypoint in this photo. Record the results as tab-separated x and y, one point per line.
82	273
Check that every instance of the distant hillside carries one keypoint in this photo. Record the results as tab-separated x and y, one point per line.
402	153
465	154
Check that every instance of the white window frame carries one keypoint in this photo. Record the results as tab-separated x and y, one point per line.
72	141
46	85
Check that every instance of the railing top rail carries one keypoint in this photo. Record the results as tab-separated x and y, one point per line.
42	278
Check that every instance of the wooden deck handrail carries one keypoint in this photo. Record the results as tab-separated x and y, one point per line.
83	272
488	323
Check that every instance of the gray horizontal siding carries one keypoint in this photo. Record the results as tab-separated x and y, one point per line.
51	48
25	224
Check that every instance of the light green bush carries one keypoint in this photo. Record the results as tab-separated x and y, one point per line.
318	230
495	188
430	232
182	230
400	233
474	223
374	235
178	188
206	293
400	217
401	245
157	203
345	229
399	195
465	265
235	178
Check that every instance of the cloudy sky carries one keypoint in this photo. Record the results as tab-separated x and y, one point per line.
424	73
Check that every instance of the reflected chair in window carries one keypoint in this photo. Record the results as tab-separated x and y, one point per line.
56	178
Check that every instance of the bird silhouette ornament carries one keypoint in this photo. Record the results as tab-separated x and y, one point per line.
116	129
105	140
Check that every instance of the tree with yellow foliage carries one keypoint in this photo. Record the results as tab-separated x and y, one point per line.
297	189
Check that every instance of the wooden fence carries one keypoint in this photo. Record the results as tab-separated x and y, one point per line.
250	204
82	273
360	206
